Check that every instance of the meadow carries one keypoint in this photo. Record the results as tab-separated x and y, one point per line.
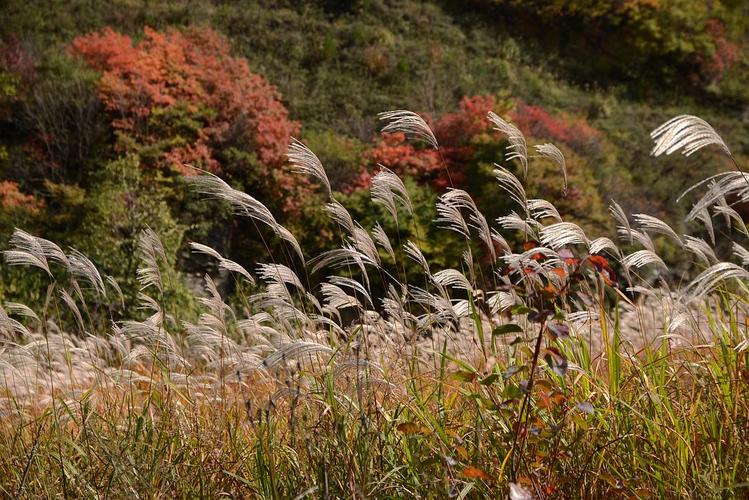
546	364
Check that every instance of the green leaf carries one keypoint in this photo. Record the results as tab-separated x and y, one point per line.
489	379
464	376
520	309
508	328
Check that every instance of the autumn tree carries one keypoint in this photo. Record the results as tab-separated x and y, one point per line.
180	98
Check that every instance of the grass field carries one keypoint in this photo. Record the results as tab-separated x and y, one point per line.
563	366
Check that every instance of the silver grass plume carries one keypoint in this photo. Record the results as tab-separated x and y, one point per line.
742	253
711	278
686	132
452	278
409	123
553	153
642	238
223	263
25	250
151	251
517	148
655	225
731	215
542	209
306	162
352	285
295	350
620	216
598	245
700	249
243	204
514	222
381	238
449	209
70	302
509	183
413	251
388	189
340	215
707	221
81	266
563	234
643	258
279	274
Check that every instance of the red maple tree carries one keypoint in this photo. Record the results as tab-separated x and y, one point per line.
184	99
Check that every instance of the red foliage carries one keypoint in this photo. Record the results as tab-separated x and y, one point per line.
725	55
454	132
192	71
12	198
534	121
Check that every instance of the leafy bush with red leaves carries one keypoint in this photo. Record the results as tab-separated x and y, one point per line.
179	97
11	198
535	121
446	167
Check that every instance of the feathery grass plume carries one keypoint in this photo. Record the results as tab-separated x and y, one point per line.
562	234
21	310
518	149
342	257
387	189
449	214
542	209
351	284
25	250
449	209
514	222
81	266
280	275
409	123
686	132
528	267
512	185
295	350
734	184
151	251
500	241
707	221
598	245
336	299
243	204
642	258
10	326
340	215
741	252
363	242
70	302
640	237
381	238
655	225
452	278
306	162
223	263
700	249
414	252
620	216
711	278
501	301
733	216
553	153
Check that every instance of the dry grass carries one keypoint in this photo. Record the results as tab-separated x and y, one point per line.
533	376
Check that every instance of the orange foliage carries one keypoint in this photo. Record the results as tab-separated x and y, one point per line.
443	168
189	72
12	198
535	121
